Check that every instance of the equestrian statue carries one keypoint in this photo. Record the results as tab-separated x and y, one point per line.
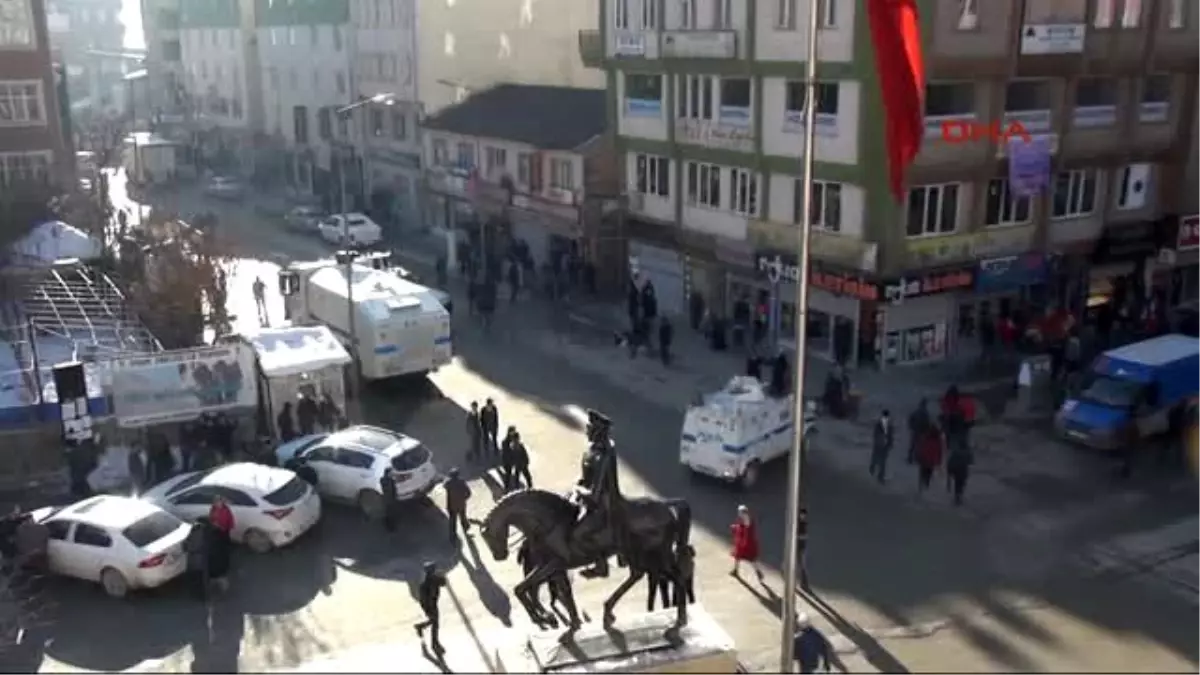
588	526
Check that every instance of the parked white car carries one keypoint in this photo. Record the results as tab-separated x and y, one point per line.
225	187
348	465
119	542
271	507
362	231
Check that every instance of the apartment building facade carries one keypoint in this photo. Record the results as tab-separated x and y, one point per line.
165	75
708	101
33	145
88	38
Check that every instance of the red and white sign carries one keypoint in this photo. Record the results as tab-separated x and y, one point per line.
1188	238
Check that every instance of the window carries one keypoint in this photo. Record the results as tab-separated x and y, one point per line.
353	459
1135	181
827	13
704	184
90	535
639	87
968	14
292	491
376	118
495	160
695	97
950	99
562	174
412	458
687	13
649	14
653	175
1175	18
1026	95
16	24
621	14
300	123
200	496
1132	16
325	123
723	14
932	210
235	497
58	529
1156	102
466	156
525	168
1095	92
399	125
341	84
735	101
21	104
24	166
827	98
1003	207
785	15
1103	16
441	153
826	205
743	192
1074	193
337	38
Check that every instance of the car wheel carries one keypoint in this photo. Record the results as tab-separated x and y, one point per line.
257	541
749	476
370	503
113	583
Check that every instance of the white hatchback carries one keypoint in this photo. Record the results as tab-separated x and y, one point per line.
348	465
353	229
119	542
271	507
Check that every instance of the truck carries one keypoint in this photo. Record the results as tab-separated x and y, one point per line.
401	328
729	435
1140	382
148	158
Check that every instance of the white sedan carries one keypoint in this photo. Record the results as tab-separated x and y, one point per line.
271	507
348	465
362	231
119	542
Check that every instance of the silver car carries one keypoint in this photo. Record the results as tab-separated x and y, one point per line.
304	219
225	187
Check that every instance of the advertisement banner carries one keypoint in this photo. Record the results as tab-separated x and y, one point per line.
181	385
1028	166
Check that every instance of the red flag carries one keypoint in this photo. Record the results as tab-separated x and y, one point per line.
896	37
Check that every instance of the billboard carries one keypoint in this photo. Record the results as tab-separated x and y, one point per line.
181	385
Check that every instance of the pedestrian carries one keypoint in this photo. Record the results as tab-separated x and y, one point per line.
287	426
781	376
260	301
514	281
810	648
918	422
489	419
666	333
802	547
958	468
387	489
474	431
519	456
219	549
306	414
507	475
195	546
686	591
930	450
881	446
221	516
745	542
440	272
427	595
458	493
137	469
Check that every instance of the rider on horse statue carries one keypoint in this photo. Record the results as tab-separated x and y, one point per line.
598	490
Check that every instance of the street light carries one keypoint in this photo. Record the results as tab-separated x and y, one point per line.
346	257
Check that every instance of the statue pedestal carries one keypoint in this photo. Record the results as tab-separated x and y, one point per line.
635	644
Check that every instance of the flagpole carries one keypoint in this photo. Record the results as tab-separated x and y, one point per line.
796	460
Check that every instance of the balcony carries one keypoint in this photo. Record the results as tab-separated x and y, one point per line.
699	44
591	48
1094	116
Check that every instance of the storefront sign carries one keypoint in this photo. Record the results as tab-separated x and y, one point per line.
407	160
840	250
716	135
934	251
933	283
1052	38
1125	244
780	269
546	208
1010	273
699	44
183	384
1188	238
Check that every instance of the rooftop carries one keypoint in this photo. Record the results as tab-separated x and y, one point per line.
549	118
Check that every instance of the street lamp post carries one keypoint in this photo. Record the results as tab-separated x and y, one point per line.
347	254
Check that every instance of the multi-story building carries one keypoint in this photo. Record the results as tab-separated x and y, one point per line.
531	164
33	145
89	40
708	98
164	61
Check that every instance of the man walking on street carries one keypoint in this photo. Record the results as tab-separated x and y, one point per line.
881	446
260	301
666	333
802	547
457	495
958	469
519	458
427	595
387	488
474	431
810	648
489	419
507	455
918	422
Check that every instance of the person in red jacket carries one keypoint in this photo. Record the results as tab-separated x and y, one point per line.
221	516
745	542
930	451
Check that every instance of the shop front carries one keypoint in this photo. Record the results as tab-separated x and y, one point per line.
1121	259
394	179
915	325
1002	285
548	229
1178	271
663	267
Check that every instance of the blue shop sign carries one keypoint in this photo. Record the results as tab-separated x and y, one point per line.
1011	272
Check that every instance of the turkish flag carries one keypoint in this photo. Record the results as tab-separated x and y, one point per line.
896	37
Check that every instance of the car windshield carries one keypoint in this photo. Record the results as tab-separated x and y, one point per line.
151	528
308	444
375	439
1111	392
291	492
187	482
411	459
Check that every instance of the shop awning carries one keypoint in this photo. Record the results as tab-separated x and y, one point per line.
297	349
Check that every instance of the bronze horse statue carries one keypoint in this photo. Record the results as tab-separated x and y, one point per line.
650	535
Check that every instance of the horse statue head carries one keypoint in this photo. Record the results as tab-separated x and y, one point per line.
535	513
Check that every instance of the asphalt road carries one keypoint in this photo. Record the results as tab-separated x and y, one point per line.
904	584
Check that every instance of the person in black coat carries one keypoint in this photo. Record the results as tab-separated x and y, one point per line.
219	557
307	413
287	426
474	432
507	457
519	456
387	488
196	548
428	594
489	419
666	333
458	493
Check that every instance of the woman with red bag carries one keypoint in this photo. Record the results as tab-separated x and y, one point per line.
745	542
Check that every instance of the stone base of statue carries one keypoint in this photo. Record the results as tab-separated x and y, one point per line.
637	643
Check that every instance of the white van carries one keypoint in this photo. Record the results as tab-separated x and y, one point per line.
732	433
